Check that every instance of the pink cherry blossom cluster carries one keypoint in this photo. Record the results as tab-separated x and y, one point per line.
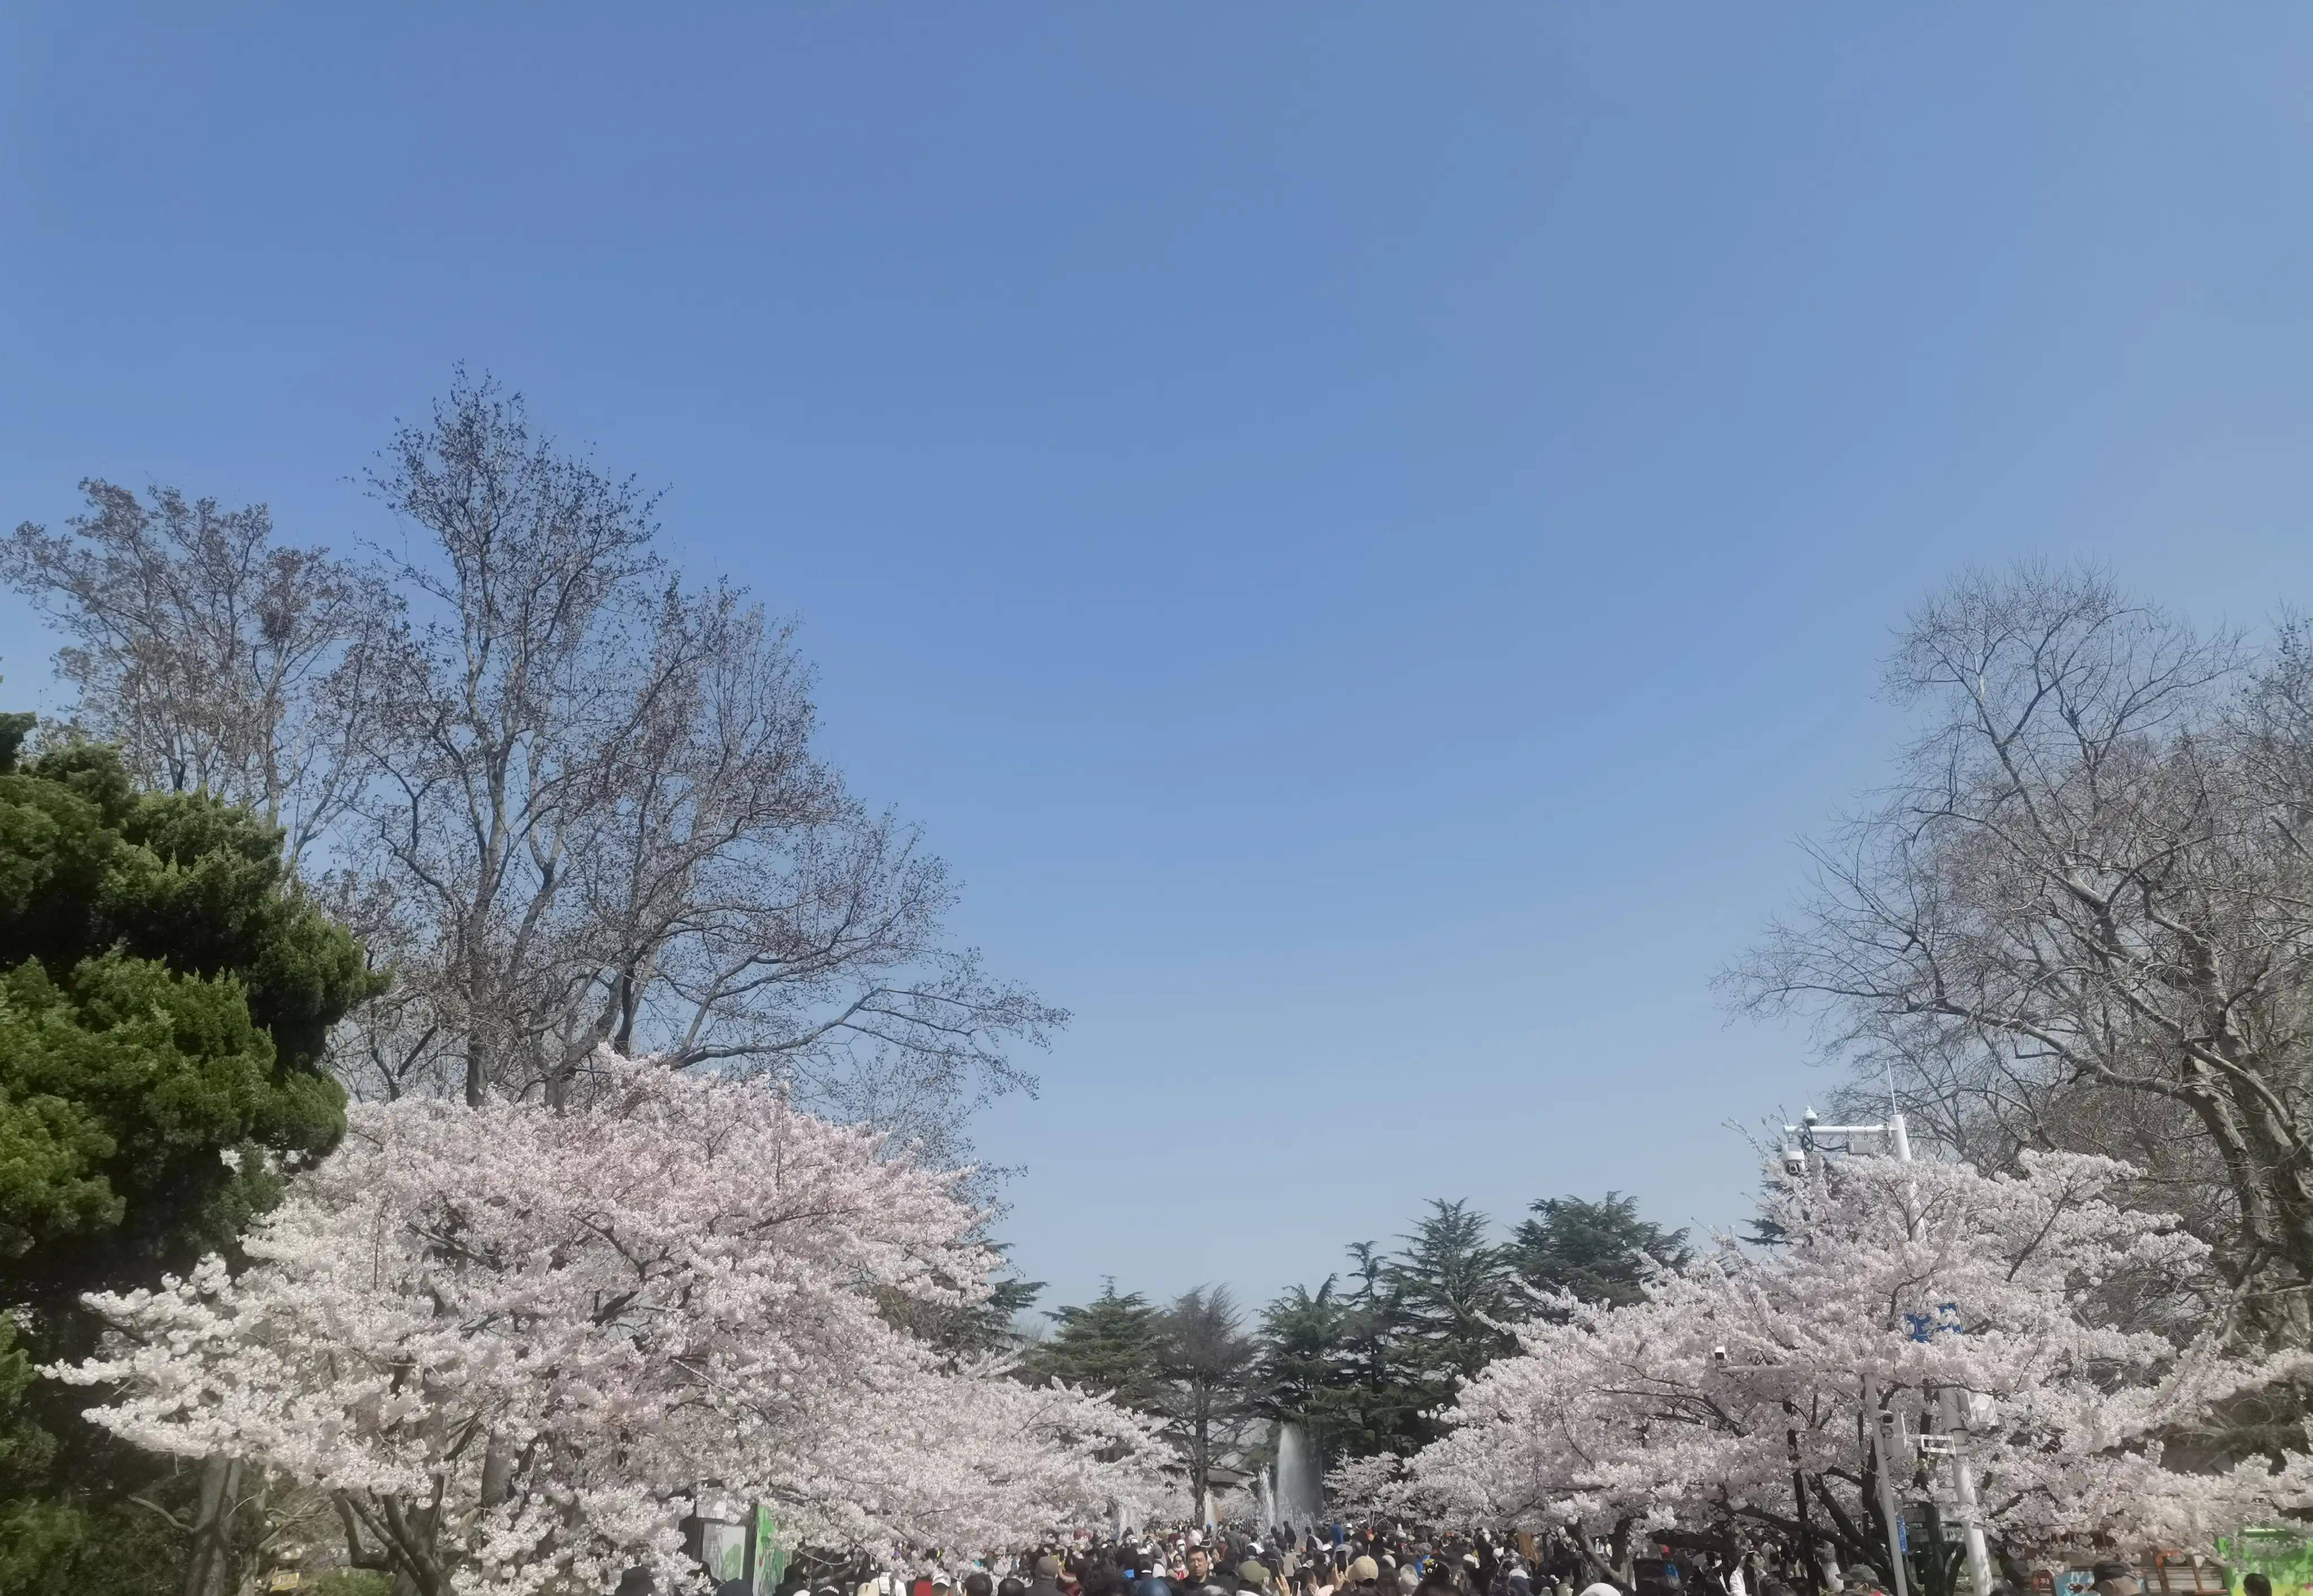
517	1344
2068	1330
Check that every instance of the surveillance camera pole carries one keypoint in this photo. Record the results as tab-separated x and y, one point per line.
1979	1557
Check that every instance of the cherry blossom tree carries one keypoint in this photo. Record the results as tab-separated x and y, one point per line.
2067	1331
514	1345
1366	1487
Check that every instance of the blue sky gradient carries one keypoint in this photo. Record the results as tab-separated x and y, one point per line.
1363	532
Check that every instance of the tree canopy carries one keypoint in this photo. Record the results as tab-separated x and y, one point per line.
1595	1252
1904	1286
165	993
605	1301
1113	1343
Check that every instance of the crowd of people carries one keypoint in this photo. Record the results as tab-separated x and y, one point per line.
1374	1560
1338	1560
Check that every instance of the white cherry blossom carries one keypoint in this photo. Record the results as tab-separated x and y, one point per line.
1693	1407
515	1341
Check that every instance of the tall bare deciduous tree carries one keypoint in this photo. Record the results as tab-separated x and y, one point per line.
216	657
570	800
2082	914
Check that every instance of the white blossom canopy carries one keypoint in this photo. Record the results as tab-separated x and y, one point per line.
1694	1406
515	1341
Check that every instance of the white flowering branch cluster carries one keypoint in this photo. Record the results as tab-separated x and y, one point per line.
514	1343
1695	1407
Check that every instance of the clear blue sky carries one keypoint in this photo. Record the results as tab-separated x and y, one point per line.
1363	532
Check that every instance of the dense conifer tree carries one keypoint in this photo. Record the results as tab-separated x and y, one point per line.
165	993
1597	1252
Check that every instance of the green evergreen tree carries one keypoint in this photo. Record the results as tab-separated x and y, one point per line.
165	993
1386	1397
1306	1363
1114	1344
1345	1361
1598	1252
1311	1372
1451	1288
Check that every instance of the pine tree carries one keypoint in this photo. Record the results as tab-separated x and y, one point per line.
1452	1289
165	993
1114	1345
1598	1252
1326	1364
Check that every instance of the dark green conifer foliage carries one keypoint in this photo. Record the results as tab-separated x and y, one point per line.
1595	1251
1113	1343
165	993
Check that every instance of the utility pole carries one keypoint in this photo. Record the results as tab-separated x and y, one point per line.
1971	1526
1979	1556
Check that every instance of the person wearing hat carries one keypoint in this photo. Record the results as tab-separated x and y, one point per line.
1047	1581
1365	1575
1441	1578
1252	1575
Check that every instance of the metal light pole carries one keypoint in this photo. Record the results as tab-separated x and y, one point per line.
1979	1557
1807	1131
1887	1513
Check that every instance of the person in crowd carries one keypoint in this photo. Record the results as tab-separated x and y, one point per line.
1097	1576
1442	1577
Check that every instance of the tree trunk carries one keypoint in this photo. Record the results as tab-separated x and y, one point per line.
478	1077
211	1563
1807	1558
497	1471
2272	1190
2289	1184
